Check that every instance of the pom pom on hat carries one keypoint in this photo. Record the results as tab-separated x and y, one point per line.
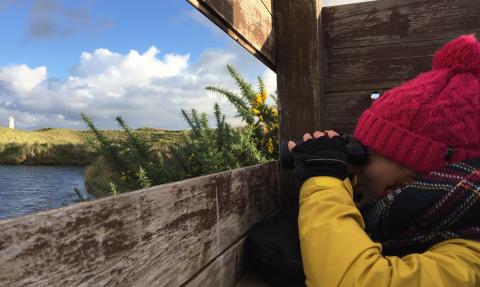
432	119
461	55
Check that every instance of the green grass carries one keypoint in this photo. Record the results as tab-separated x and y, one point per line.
46	136
64	146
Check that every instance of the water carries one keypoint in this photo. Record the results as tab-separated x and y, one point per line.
28	189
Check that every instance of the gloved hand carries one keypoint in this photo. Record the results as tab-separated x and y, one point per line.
323	155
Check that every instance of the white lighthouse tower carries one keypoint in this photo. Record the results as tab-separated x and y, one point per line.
11	122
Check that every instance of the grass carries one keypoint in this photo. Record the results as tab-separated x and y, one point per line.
64	146
45	136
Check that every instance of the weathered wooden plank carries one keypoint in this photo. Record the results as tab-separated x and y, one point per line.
299	66
247	22
398	21
268	5
343	109
225	270
240	210
160	236
377	67
298	42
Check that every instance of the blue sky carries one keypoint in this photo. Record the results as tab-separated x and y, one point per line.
170	25
143	60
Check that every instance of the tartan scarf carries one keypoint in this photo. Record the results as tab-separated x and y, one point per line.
440	205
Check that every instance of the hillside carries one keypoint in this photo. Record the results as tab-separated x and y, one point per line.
65	146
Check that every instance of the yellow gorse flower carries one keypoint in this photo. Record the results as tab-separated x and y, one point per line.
274	111
264	96
255	111
270	146
261	98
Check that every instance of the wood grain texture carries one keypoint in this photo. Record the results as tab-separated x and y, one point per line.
344	109
160	236
377	67
225	271
381	44
298	40
398	21
299	66
247	22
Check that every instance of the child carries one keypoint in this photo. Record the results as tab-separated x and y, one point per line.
419	221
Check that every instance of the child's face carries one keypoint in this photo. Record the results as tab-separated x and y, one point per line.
378	175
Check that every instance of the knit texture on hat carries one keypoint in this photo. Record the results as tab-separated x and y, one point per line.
414	123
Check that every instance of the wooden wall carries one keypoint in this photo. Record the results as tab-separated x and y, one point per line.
184	233
378	45
365	47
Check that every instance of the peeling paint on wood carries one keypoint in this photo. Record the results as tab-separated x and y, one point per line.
160	236
247	22
354	25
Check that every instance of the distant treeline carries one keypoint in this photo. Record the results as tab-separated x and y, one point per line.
64	146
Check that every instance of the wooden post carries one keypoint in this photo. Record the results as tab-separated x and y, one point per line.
299	63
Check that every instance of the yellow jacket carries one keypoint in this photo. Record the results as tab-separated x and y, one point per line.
336	251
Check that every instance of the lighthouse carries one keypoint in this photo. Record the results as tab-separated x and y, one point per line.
11	122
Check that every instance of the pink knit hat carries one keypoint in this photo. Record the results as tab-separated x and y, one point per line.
433	119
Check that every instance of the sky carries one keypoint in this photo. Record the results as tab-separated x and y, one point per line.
143	60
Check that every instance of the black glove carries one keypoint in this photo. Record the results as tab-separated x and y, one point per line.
322	156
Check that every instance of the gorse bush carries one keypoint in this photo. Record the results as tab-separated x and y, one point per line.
123	163
252	108
134	163
205	150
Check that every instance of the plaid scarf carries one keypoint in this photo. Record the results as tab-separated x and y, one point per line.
440	205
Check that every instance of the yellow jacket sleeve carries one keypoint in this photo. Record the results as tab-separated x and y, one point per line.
336	251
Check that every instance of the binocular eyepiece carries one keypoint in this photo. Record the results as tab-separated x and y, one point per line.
357	154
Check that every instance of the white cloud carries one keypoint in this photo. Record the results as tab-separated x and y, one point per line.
270	80
147	89
22	78
113	73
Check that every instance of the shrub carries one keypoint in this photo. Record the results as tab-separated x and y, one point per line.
252	108
133	163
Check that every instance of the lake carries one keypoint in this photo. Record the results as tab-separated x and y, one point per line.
28	189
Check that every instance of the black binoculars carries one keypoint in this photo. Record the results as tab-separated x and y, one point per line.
357	154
